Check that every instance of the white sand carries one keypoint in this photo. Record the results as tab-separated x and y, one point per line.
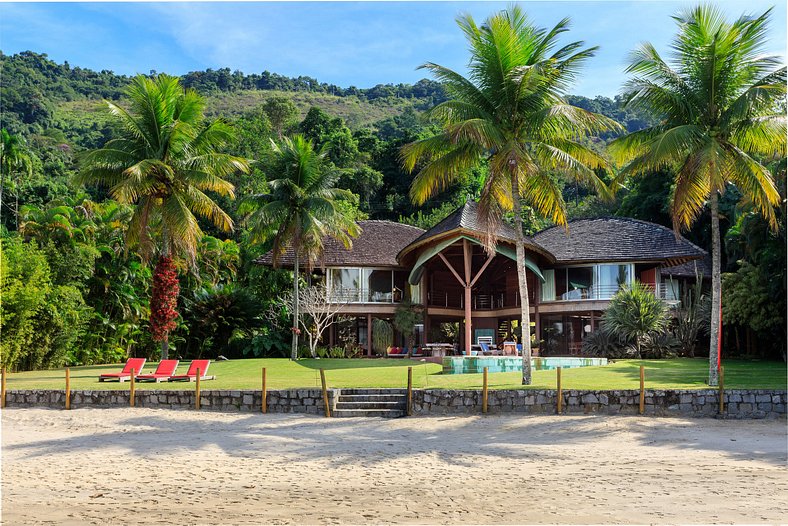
147	466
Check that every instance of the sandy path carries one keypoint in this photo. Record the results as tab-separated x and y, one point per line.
179	467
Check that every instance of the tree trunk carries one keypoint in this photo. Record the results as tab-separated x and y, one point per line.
525	310
294	349
165	252
716	287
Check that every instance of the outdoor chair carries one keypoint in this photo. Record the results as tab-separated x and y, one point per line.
191	374
132	364
164	371
485	348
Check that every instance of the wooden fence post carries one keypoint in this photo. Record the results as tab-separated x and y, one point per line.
197	391
68	388
325	393
484	391
642	408
265	394
2	390
722	389
559	394
131	388
410	391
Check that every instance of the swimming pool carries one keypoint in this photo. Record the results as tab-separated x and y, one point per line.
502	364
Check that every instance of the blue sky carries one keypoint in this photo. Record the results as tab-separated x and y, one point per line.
345	43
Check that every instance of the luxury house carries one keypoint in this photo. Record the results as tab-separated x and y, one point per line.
471	296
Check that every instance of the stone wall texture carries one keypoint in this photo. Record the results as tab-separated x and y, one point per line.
701	403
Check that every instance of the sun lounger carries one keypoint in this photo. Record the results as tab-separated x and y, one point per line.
132	364
191	374
163	372
485	348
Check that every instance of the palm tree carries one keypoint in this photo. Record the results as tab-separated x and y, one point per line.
635	313
719	100
510	112
13	158
165	160
300	210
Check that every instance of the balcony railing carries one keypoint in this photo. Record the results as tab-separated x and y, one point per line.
660	290
365	296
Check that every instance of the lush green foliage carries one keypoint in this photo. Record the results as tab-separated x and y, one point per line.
52	114
634	314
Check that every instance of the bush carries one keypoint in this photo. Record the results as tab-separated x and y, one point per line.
605	344
660	345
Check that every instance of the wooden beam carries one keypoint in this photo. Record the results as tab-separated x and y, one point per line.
481	270
456	275
467	259
369	334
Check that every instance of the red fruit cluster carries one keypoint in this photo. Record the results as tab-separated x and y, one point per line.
164	302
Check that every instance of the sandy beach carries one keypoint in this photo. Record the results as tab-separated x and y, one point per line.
149	466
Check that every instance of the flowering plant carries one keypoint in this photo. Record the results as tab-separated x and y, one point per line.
164	300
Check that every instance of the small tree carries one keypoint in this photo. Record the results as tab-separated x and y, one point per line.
382	335
692	317
634	313
407	315
319	311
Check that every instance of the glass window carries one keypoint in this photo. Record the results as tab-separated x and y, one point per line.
579	280
401	287
548	287
560	283
345	283
378	285
610	278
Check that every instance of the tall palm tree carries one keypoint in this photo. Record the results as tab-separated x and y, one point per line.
164	161
719	99
511	113
300	210
14	157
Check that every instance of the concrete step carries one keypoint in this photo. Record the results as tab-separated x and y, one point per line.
342	404
372	398
374	391
368	413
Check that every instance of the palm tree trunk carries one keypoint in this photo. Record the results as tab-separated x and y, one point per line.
716	287
525	312
294	349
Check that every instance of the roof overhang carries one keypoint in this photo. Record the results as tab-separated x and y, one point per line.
431	252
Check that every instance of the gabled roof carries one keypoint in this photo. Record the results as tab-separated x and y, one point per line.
376	246
466	219
616	239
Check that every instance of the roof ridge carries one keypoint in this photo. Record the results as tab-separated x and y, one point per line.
390	222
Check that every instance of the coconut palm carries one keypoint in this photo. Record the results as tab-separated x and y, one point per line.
299	211
510	112
164	161
14	157
719	101
635	313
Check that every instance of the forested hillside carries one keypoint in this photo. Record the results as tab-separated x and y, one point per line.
70	257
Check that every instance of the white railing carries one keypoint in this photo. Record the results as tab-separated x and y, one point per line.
599	292
364	296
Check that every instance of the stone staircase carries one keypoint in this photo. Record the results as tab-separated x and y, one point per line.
384	403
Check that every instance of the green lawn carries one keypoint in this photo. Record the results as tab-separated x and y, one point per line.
283	374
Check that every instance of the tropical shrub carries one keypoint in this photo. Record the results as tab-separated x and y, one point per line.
634	313
382	336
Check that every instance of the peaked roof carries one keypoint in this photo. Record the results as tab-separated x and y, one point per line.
690	268
467	218
376	246
616	239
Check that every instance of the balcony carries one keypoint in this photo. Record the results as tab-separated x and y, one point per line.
351	295
662	291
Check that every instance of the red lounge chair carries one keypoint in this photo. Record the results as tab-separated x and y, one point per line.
135	364
191	374
164	371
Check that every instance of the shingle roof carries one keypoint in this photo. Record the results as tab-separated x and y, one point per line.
466	217
376	246
688	269
616	239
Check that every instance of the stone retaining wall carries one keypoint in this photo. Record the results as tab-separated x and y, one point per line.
284	401
738	403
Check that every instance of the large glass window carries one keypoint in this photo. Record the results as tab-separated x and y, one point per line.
378	285
401	286
610	278
345	283
578	282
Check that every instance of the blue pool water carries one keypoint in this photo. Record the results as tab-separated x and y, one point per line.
502	364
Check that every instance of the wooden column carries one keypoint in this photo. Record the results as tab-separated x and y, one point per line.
369	334
466	256
592	321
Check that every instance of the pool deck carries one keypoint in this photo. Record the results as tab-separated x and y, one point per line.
502	364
